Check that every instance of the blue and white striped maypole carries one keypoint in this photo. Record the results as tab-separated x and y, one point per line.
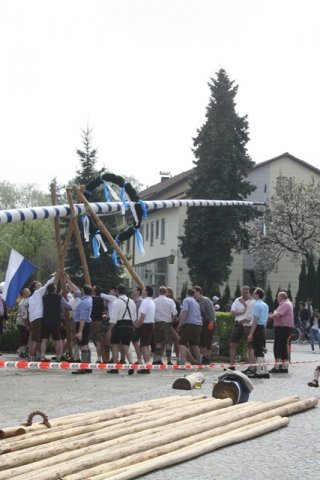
41	213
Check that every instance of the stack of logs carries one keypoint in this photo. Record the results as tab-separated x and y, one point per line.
130	441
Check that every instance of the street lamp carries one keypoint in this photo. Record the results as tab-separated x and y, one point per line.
172	257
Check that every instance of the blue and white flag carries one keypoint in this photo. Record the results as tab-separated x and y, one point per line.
18	271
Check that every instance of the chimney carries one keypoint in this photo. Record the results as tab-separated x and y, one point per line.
164	176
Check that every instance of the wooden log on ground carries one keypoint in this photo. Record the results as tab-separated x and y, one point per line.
116	453
45	451
86	418
101	458
83	431
196	450
12	432
194	380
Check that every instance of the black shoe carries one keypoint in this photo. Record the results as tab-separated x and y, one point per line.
144	370
266	375
88	370
79	372
169	363
114	370
248	371
230	368
313	383
283	370
256	375
130	371
274	370
157	362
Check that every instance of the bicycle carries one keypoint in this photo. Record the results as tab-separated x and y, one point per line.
300	333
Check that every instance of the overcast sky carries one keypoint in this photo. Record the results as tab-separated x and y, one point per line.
137	72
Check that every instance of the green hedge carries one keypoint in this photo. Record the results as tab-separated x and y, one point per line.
223	329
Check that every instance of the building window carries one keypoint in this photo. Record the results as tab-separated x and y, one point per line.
151	233
163	230
147	232
249	278
157	228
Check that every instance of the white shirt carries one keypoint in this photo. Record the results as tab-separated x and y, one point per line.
237	306
35	303
120	310
248	313
110	299
148	308
165	308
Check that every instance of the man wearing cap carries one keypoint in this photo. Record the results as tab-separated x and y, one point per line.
215	301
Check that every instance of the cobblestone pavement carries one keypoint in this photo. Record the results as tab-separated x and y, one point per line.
290	453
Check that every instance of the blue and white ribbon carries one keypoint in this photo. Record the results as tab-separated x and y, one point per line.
86	226
139	242
124	198
98	242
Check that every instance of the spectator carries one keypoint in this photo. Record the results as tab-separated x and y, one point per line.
190	324
164	313
315	330
208	315
257	334
241	327
283	322
23	323
145	324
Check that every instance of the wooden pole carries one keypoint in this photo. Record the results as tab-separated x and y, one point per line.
83	259
124	260
109	237
60	256
154	444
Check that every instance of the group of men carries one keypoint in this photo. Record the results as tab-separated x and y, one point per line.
251	314
152	325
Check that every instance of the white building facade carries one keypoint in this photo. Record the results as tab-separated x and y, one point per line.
163	263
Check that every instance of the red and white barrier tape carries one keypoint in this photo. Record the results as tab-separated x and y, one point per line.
23	364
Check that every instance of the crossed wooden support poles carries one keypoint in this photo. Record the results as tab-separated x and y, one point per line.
63	247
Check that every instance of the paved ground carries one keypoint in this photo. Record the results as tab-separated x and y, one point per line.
290	453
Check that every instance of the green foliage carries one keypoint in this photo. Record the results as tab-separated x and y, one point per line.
32	239
183	292
269	298
223	329
10	338
102	270
302	292
237	292
226	296
312	286
222	165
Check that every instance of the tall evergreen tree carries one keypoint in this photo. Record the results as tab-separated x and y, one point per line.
302	292
225	296
237	292
269	298
311	279
222	165
317	299
102	270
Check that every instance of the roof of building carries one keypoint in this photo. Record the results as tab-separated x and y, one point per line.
291	157
159	189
